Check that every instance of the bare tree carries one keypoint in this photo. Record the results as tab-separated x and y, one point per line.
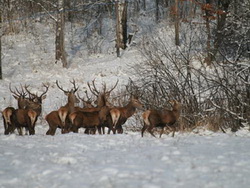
177	23
157	10
1	76
60	24
121	25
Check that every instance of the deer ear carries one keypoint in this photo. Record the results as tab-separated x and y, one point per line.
44	97
66	93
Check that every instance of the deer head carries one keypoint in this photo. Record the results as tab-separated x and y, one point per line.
70	93
103	94
20	96
35	97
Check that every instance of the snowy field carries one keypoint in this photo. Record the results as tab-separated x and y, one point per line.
188	160
110	161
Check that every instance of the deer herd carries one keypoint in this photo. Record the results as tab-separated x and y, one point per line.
70	117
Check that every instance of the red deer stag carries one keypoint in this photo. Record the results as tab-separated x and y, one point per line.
20	96
58	119
102	101
25	115
100	114
90	120
8	121
35	102
121	114
161	118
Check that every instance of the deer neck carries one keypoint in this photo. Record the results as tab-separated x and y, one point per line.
70	106
176	110
129	110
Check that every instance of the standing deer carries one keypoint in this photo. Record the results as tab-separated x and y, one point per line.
101	102
35	102
161	118
89	120
8	120
25	118
100	114
20	96
28	109
121	114
59	118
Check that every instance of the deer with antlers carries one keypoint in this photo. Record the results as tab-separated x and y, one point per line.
59	118
90	120
100	115
35	100
28	109
161	118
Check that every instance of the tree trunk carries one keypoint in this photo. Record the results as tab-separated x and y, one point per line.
208	14
177	23
1	75
157	15
60	24
68	11
121	25
144	5
221	22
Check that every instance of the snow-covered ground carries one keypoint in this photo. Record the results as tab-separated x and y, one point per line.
76	160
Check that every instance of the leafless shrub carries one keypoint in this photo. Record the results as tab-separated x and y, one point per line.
217	96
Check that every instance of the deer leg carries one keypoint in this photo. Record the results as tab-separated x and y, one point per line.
150	130
103	129
20	131
51	131
11	128
173	131
162	130
99	129
86	131
144	128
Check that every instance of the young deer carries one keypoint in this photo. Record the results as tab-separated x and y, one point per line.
161	118
120	115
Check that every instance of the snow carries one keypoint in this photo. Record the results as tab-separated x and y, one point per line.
78	160
196	159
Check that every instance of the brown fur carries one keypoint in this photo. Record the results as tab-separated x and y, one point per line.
25	118
121	114
89	119
161	118
54	122
8	120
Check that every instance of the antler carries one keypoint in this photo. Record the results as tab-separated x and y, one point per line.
93	90
87	102
46	89
17	93
107	93
73	90
36	95
61	87
74	84
31	94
